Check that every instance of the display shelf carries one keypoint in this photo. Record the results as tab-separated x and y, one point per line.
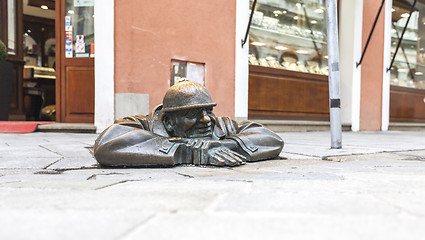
292	8
281	37
286	38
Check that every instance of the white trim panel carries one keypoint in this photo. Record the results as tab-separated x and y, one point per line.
386	75
346	57
241	61
104	64
357	52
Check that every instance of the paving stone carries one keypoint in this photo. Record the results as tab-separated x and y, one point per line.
26	151
75	150
27	162
272	225
56	223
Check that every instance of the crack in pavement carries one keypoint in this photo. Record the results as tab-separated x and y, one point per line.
53	163
408	150
49	172
74	169
50	150
116	183
241	180
185	175
93	177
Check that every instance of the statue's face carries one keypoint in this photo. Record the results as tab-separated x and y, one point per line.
193	123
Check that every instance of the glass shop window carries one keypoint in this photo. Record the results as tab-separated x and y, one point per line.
289	34
11	27
79	28
409	65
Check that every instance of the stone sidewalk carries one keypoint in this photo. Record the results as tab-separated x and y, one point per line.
52	188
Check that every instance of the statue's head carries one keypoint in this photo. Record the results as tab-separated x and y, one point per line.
187	108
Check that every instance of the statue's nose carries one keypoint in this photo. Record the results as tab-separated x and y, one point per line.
205	118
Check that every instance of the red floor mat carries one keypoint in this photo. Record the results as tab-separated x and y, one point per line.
19	126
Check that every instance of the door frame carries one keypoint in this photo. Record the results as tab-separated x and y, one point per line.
58	58
61	75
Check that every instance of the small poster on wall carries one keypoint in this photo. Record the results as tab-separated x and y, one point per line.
68	37
80	46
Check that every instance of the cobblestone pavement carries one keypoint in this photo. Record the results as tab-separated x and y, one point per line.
373	188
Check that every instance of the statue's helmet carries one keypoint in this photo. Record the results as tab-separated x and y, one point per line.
186	95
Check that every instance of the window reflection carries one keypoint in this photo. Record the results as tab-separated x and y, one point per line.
11	27
409	66
289	34
79	27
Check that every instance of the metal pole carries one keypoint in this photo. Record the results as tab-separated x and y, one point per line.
333	64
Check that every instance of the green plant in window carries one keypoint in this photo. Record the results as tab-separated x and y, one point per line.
3	51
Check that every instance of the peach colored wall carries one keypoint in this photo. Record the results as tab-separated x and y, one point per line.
372	68
148	34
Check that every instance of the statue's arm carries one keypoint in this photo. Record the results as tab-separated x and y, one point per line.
123	145
256	141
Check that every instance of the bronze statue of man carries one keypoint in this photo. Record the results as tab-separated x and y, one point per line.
184	130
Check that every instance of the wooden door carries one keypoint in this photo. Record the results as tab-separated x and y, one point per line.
75	61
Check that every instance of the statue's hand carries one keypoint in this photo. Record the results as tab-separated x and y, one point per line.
209	152
225	157
213	152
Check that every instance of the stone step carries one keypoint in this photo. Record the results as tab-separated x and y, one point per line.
274	125
67	127
298	125
406	126
311	126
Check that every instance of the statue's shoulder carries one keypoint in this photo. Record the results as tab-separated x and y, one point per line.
225	126
227	121
137	121
230	126
155	113
146	122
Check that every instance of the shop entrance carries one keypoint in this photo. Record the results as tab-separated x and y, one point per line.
407	91
75	83
51	46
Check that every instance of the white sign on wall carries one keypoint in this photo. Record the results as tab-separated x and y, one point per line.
83	3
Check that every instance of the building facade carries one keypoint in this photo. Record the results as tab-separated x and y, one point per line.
280	73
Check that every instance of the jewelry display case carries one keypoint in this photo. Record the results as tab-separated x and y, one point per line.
407	90
289	35
288	60
409	65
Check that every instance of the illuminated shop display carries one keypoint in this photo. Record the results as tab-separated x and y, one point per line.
289	34
409	66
